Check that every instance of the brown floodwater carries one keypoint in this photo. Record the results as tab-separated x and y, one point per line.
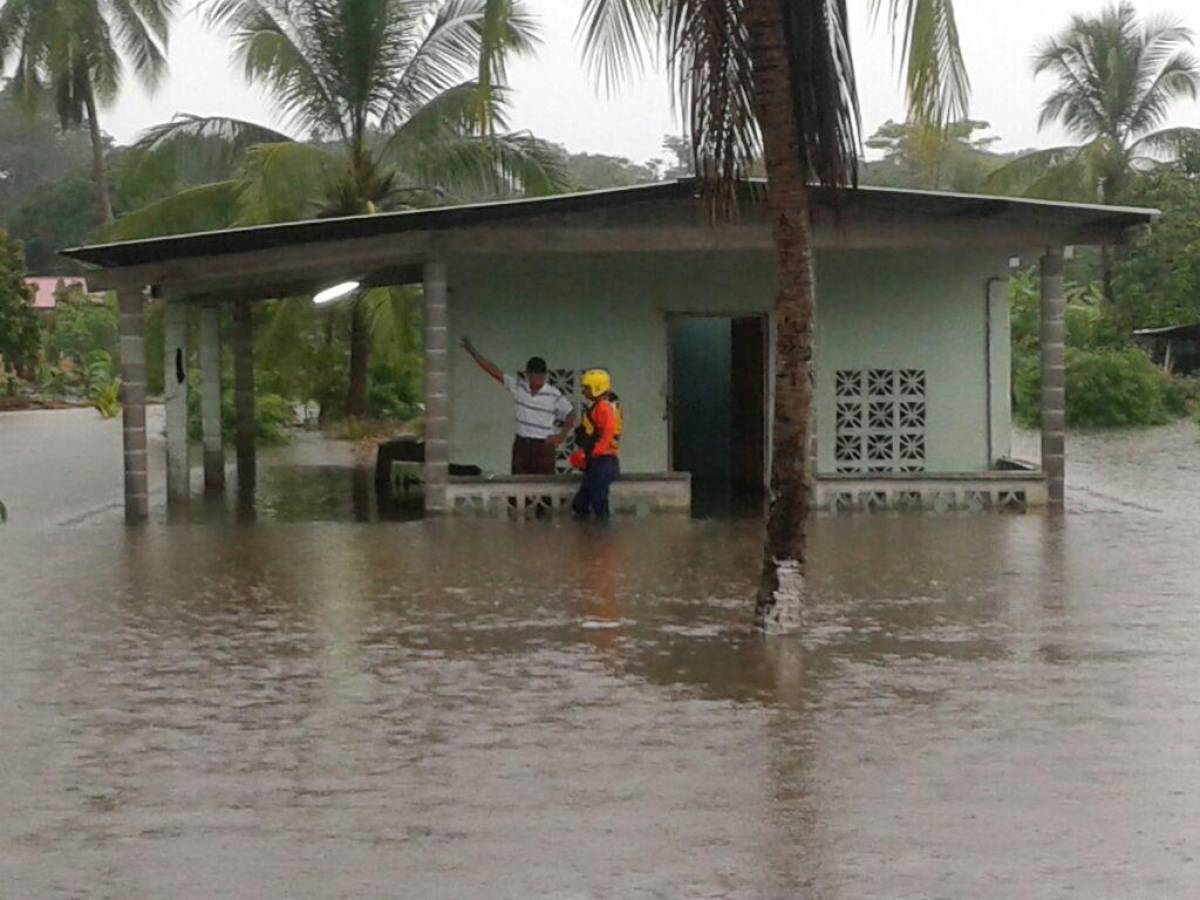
313	707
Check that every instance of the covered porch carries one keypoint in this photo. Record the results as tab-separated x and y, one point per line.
470	262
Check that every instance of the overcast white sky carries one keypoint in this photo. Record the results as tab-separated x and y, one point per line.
555	98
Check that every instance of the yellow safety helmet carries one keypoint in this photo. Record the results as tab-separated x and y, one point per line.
597	381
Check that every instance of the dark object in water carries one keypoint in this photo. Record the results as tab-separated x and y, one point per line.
410	449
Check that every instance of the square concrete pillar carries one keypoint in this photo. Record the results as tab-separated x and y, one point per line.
437	386
131	330
175	400
1054	375
210	397
243	383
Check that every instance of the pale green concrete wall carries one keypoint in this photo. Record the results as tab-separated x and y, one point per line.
900	310
1000	337
579	312
881	309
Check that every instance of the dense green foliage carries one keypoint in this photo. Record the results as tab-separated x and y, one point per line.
1105	388
19	337
951	157
273	415
1110	382
1158	279
34	151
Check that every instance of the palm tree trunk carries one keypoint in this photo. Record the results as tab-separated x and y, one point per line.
360	348
99	172
781	590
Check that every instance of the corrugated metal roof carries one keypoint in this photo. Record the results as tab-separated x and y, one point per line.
1173	332
240	240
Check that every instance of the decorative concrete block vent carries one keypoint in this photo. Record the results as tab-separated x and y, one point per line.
881	421
996	492
529	496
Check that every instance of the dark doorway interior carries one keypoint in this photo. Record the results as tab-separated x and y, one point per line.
718	408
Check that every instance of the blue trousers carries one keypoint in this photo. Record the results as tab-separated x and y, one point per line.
592	497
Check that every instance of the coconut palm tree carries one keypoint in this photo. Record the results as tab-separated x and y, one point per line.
1117	80
776	78
79	50
382	89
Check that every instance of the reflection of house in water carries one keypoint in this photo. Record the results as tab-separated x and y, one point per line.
1176	348
912	341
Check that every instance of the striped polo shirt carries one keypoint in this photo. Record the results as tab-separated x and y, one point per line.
537	415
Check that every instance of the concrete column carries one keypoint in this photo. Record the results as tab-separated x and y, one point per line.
243	383
210	397
131	329
437	386
1054	378
175	400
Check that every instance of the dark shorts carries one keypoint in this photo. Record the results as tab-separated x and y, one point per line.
532	457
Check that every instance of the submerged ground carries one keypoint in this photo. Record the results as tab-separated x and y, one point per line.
981	706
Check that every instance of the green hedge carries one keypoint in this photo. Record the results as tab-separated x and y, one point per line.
1105	388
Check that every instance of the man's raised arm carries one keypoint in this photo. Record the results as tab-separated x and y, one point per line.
487	365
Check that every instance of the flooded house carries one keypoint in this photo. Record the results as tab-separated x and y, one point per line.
912	341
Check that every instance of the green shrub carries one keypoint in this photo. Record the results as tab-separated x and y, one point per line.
1183	396
394	388
106	397
273	417
1105	388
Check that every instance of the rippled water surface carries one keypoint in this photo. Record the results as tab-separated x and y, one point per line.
981	705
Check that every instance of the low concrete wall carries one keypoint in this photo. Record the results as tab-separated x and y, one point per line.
522	495
1014	491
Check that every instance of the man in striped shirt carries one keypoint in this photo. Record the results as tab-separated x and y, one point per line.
542	416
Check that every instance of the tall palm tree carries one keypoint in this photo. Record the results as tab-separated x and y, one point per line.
777	77
79	50
382	89
1117	80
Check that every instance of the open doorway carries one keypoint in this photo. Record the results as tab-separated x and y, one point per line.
718	405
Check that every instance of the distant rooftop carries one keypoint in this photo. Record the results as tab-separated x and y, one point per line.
46	288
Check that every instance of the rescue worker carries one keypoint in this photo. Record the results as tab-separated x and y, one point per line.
597	441
542	416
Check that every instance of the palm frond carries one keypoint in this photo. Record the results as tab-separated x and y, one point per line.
506	29
1169	143
141	31
1032	174
292	51
205	208
450	115
709	63
618	37
937	84
1176	79
285	182
440	60
473	166
212	144
393	317
824	91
